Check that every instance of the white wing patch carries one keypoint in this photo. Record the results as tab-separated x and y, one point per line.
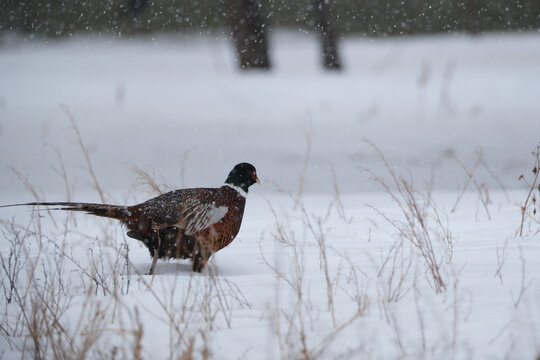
197	216
215	214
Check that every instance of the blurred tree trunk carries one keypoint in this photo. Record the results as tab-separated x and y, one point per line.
473	15
135	6
324	24
248	29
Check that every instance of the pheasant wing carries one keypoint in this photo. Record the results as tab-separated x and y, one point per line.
198	215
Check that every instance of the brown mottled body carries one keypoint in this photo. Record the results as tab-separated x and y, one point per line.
162	225
182	224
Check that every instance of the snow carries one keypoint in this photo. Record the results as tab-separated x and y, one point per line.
315	270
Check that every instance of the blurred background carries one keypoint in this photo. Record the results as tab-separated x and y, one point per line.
248	21
359	17
189	88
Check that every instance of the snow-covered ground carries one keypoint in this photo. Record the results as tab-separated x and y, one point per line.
319	269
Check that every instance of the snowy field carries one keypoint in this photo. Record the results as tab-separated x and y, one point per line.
329	264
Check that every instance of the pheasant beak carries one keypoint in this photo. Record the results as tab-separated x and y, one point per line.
254	177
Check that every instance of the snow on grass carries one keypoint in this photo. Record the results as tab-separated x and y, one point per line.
267	295
327	264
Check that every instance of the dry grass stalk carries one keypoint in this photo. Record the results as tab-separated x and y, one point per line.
445	95
336	200
148	179
287	238
483	193
501	259
392	320
126	271
471	177
420	317
495	178
422	226
294	321
32	190
528	209
309	142
85	152
61	171
359	293
394	272
42	297
138	335
195	310
38	286
314	224
183	166
524	283
13	263
92	275
422	81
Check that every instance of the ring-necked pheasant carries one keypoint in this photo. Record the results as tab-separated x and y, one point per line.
182	224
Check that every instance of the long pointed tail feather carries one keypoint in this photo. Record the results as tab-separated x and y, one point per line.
105	210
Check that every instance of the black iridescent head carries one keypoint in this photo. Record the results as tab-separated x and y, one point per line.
243	176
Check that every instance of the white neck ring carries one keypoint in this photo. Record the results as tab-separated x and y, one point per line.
238	190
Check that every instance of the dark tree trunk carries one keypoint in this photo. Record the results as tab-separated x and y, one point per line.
325	25
473	16
135	6
248	30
